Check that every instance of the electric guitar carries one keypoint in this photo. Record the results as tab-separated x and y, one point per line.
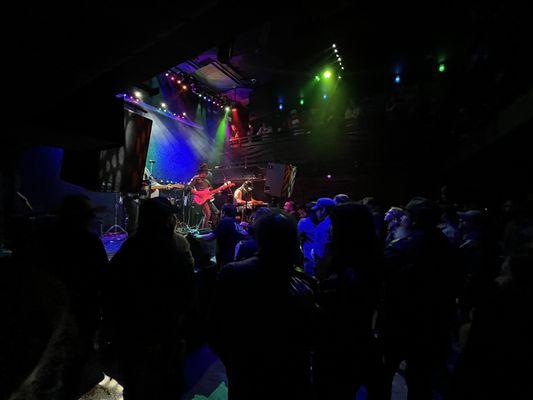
201	196
167	187
152	190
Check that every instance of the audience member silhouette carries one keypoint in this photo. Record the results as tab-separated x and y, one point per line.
348	293
227	233
74	255
421	287
262	320
248	247
148	297
496	361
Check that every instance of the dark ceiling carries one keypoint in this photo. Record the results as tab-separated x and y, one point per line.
68	58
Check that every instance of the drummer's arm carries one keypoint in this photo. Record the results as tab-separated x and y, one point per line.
238	198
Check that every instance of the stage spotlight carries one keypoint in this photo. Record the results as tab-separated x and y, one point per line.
184	87
442	67
325	96
227	109
317	78
166	74
334	45
302	102
179	81
164	105
138	94
336	51
397	79
329	176
327	74
339	59
342	67
280	106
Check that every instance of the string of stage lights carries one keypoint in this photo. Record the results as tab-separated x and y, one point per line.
326	77
181	80
136	98
334	70
184	83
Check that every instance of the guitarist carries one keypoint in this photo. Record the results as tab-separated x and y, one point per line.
199	182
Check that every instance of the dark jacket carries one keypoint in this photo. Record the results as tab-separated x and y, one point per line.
262	323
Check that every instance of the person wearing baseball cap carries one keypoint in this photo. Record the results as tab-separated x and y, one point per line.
425	213
322	209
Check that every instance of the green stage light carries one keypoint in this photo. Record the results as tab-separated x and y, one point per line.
227	109
302	102
327	74
317	78
442	67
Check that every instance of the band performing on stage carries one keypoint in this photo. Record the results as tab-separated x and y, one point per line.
194	201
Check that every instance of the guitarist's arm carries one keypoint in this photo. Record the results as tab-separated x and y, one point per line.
192	184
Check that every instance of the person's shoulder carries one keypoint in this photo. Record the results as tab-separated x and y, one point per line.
182	243
225	223
399	244
238	267
305	222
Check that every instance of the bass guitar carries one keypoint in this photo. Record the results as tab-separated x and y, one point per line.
202	196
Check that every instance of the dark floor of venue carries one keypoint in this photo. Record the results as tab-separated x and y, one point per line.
206	379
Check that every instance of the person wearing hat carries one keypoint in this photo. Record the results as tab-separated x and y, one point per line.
421	284
394	221
322	209
243	194
243	200
306	232
198	183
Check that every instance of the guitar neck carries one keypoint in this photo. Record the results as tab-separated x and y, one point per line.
219	189
171	186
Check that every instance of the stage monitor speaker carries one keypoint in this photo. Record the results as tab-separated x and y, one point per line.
280	180
118	169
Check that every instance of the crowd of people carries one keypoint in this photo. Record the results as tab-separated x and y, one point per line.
311	302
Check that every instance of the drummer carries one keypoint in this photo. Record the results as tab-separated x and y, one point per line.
242	197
